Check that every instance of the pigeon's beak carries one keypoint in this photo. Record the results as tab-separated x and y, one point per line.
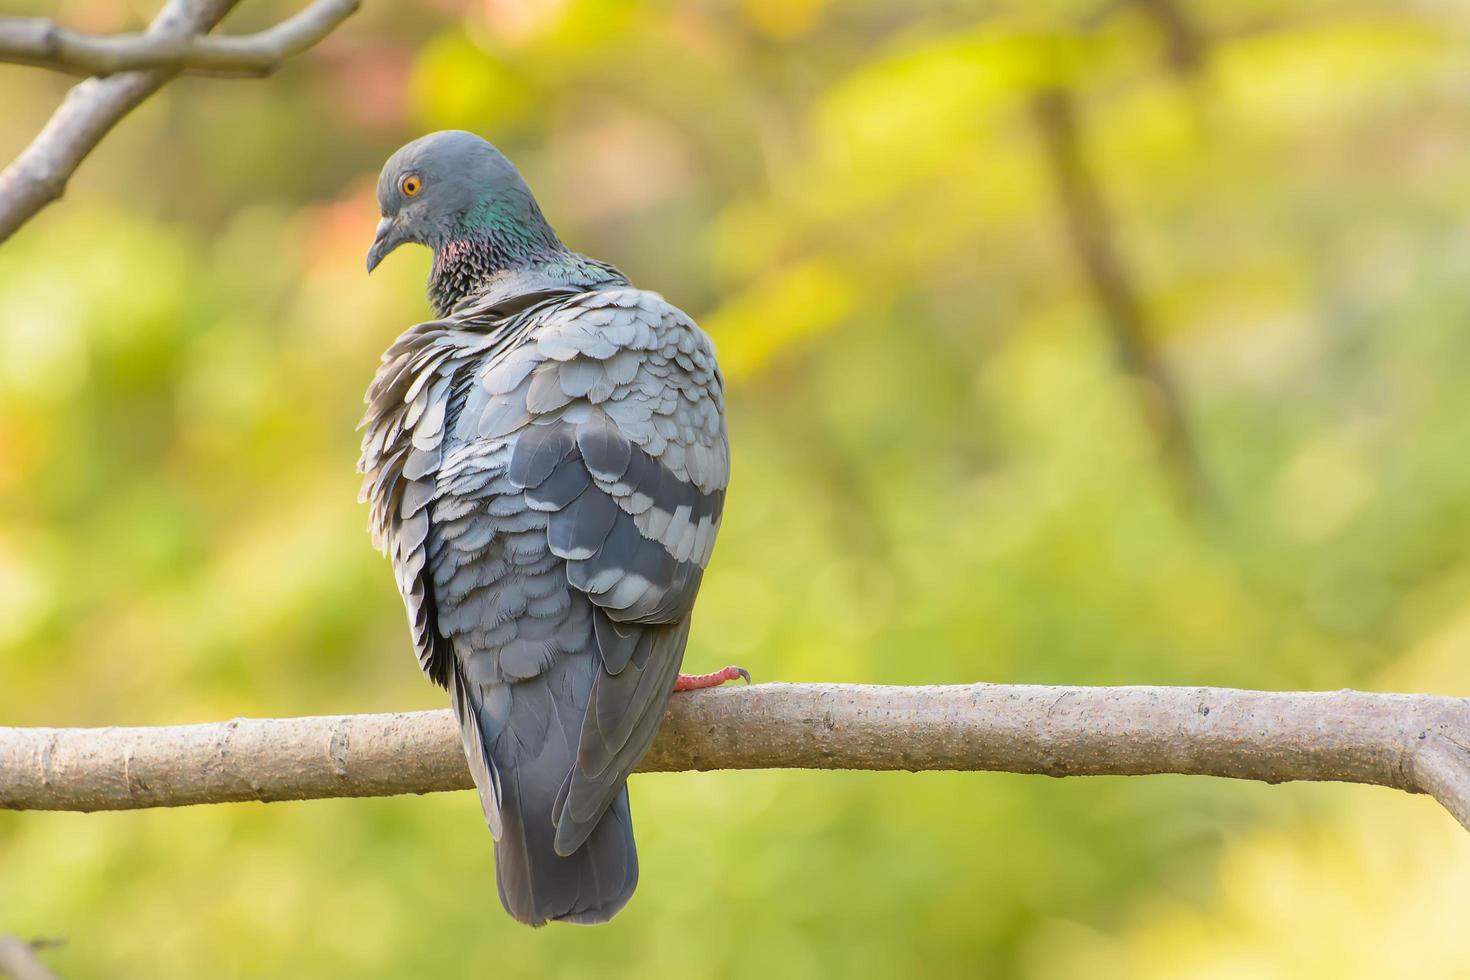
388	237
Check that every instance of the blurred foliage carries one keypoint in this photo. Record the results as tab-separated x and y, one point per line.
940	474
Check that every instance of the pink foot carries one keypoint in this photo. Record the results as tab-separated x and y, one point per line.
693	682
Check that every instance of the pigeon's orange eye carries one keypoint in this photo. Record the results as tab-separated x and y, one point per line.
411	185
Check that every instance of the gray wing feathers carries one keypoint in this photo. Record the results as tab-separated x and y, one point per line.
401	448
625	452
622	719
474	723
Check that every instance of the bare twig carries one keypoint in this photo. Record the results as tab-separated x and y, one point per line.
1408	742
1092	238
18	959
39	175
46	44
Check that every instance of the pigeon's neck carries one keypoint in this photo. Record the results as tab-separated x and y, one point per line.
473	268
502	242
476	267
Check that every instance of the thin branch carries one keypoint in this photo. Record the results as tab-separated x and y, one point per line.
1408	742
39	175
46	44
18	959
1093	240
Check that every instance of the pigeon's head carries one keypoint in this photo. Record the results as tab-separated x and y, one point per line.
452	186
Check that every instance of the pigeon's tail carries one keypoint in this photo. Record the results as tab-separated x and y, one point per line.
590	886
520	743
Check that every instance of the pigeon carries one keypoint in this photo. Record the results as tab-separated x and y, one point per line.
545	464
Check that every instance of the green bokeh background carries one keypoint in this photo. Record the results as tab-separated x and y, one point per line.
941	474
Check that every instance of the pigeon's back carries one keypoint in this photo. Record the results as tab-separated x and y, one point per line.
547	471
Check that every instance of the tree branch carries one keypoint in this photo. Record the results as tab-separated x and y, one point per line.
1409	742
1097	252
39	175
46	44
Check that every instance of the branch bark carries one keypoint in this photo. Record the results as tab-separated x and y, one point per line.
39	175
1415	743
45	44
